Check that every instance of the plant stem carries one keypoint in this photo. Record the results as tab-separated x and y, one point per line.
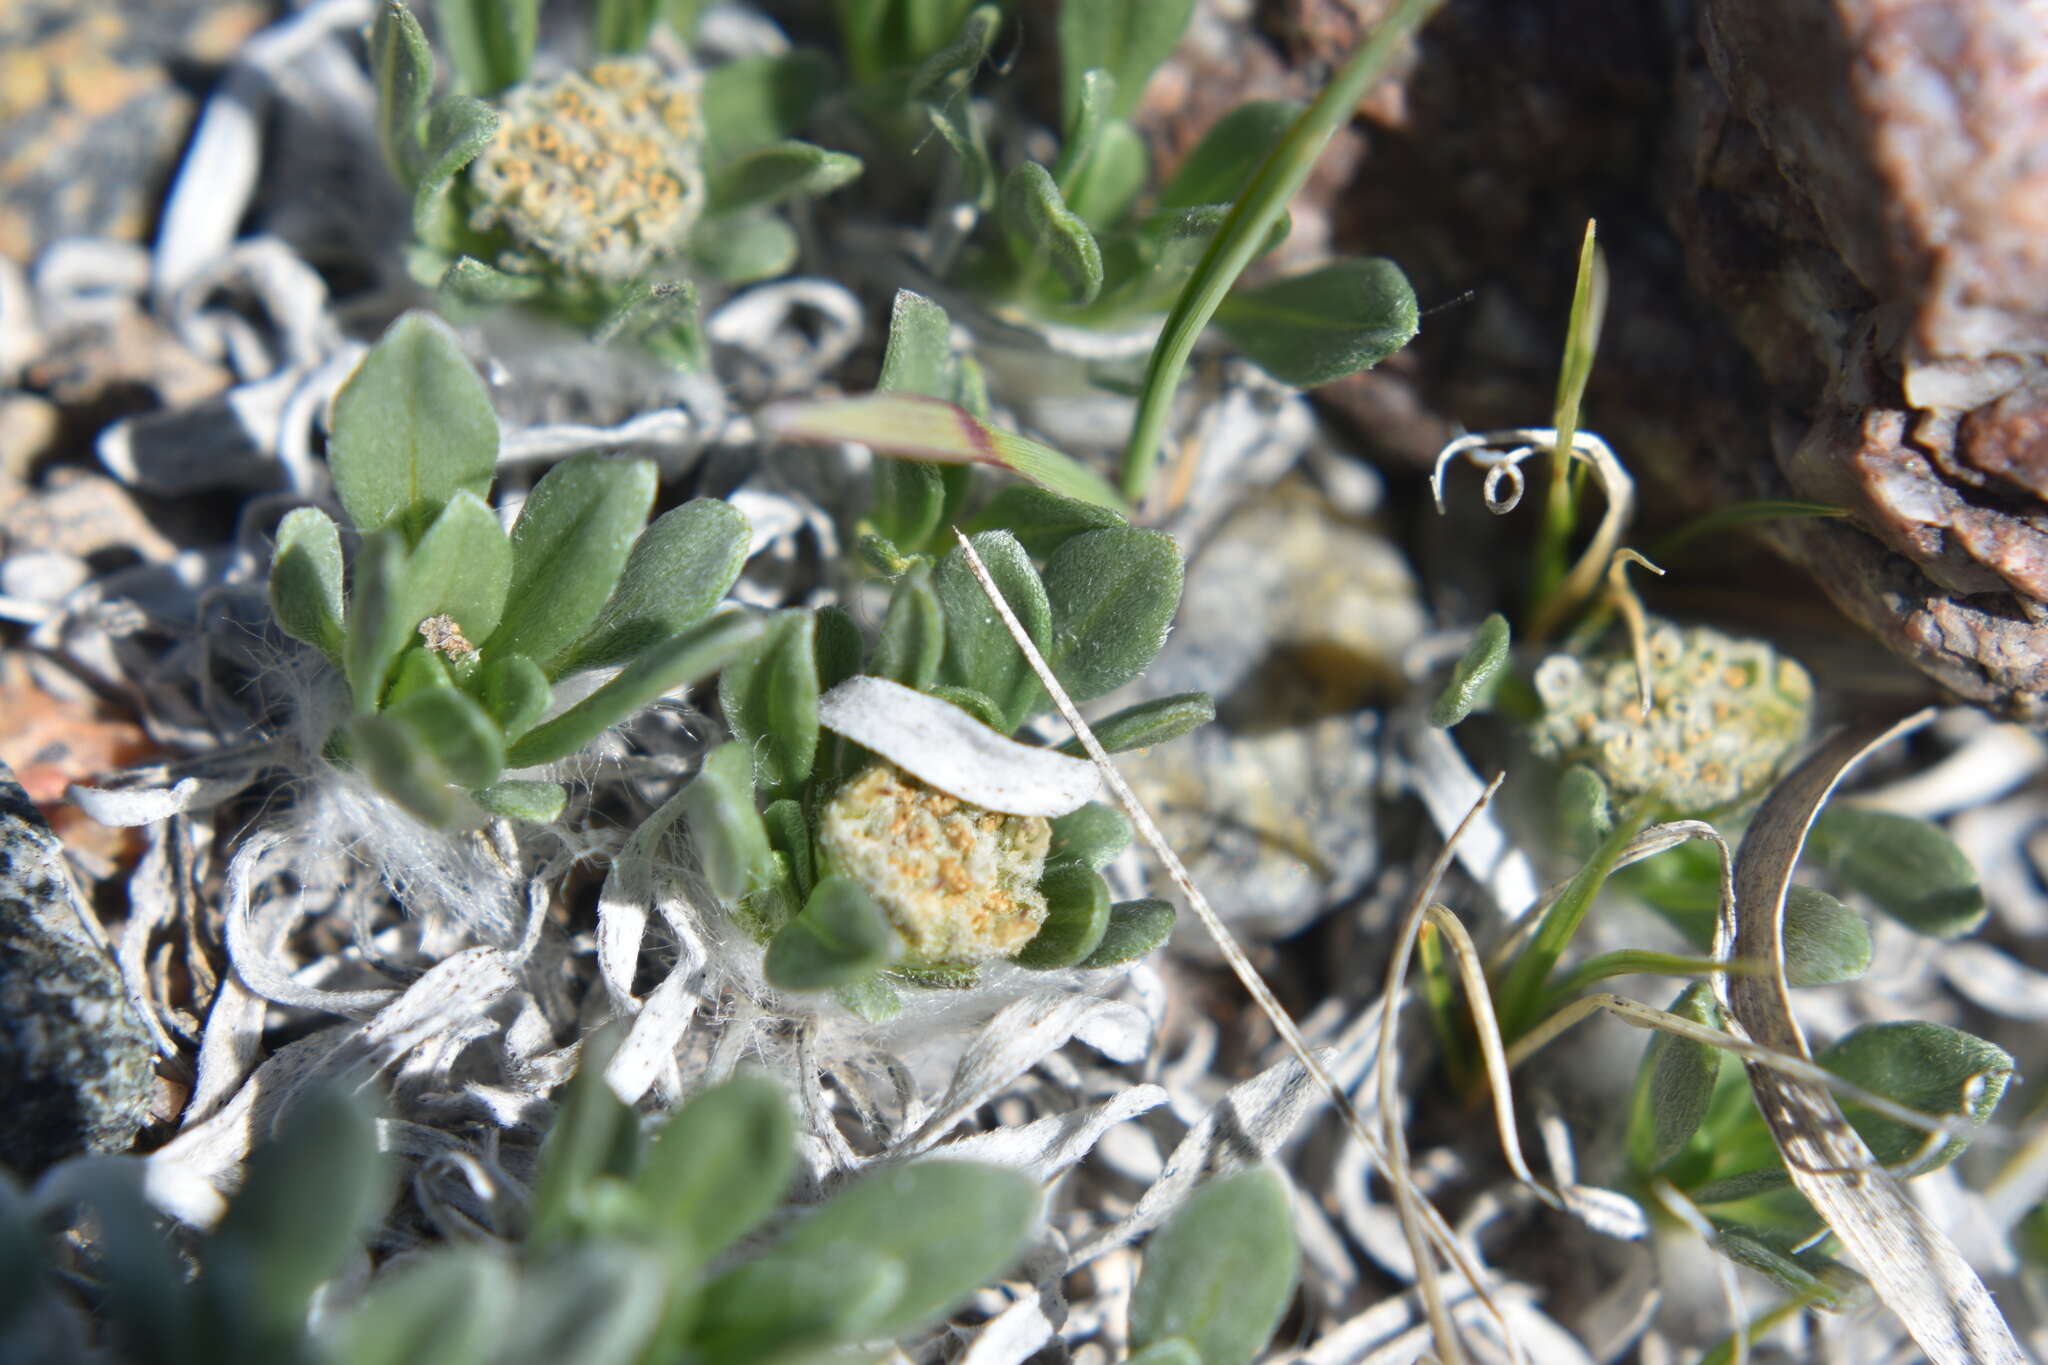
1284	171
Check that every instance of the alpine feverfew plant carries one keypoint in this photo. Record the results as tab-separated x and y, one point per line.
598	195
1646	749
450	634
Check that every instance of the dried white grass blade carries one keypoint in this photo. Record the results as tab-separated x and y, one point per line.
651	1043
1449	789
1912	1265
625	902
125	808
227	1048
455	992
1994	981
1678	1206
944	746
1247	975
253	940
1046	1147
1019	1036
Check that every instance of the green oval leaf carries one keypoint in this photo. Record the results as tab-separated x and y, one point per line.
720	1166
841	937
1909	868
1925	1066
1091	836
1044	231
583	1142
411	427
1477	676
1146	723
458	129
769	696
1102	186
1135	929
741	248
489	42
1113	593
305	580
1825	941
680	568
1674	1084
538	803
456	730
1310	329
402	69
569	548
1077	917
769	175
979	651
1126	38
751	101
725	825
912	642
972	702
388	753
515	691
685	660
449	1307
1041	520
1222	163
1219	1274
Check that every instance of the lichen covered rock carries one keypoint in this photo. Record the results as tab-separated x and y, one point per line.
960	883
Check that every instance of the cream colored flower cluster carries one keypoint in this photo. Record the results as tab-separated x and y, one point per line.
960	883
1724	716
601	173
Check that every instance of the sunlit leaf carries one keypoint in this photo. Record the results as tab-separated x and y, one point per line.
840	938
1144	724
489	42
305	580
1909	868
1674	1084
769	697
402	69
569	548
1126	38
1113	593
1925	1066
1044	231
1477	676
1135	929
1336	320
678	570
1077	917
1220	1273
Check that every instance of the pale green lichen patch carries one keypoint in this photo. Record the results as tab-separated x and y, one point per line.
601	173
1724	716
960	883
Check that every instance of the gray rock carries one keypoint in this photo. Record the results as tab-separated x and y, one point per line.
76	1064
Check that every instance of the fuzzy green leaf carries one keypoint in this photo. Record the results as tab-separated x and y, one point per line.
770	1310
1126	38
1585	814
743	248
752	101
841	937
679	569
1312	328
1222	163
622	26
912	641
598	1303
1043	230
725	825
1145	723
949	67
1088	114
469	280
449	1307
952	1225
411	427
462	569
458	128
1825	941
837	645
789	834
1753	1248
489	42
1091	836
418	670
1909	868
1135	929
311	1193
919	355
388	752
974	703
1172	1351
1041	520
1674	1084
769	697
1076	918
589	1132
1925	1066
515	692
569	548
538	803
685	660
1477	676
1113	593
720	1166
1220	1273
769	175
305	580
979	651
1102	187
457	731
402	69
